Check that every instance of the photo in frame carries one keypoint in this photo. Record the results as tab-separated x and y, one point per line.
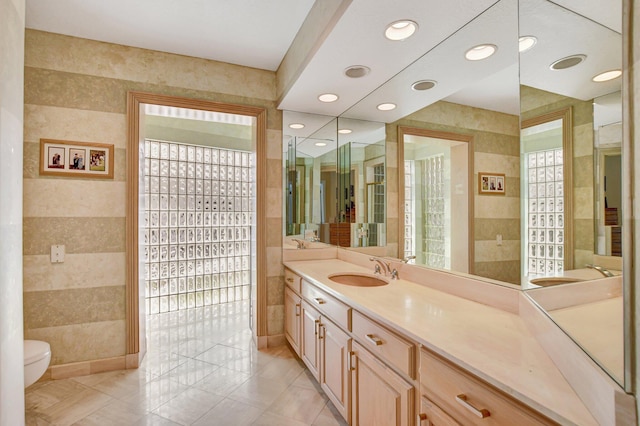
491	183
76	159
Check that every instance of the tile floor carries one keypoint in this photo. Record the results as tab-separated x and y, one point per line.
201	368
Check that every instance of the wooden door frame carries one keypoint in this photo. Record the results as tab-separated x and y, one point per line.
135	100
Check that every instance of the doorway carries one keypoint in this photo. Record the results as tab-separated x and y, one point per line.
139	241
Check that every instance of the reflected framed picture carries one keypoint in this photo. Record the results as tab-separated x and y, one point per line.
491	183
76	159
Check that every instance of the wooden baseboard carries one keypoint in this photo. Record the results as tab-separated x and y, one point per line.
276	340
85	368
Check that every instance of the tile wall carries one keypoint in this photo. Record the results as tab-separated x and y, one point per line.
76	89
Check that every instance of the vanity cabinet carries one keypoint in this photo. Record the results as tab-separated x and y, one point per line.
449	392
325	351
292	310
380	396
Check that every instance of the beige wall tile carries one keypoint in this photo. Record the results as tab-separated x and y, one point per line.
275	319
506	271
274	174
82	342
62	123
275	291
495	143
63	53
51	308
274	232
74	197
583	172
583	140
79	235
496	163
496	207
489	251
274	262
274	202
583	203
274	145
582	257
583	234
488	228
83	270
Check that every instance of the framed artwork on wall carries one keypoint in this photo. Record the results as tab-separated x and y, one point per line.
491	183
76	159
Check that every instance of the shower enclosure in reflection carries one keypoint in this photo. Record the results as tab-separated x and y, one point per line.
436	210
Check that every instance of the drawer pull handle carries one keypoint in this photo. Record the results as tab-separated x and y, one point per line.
375	340
482	413
297	309
319	301
290	280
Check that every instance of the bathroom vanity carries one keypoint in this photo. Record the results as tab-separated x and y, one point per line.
428	348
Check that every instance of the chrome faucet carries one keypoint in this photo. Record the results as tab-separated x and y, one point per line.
383	266
600	269
408	258
300	243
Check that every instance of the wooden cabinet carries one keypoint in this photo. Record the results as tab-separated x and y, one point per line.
293	312
325	351
432	415
309	343
335	346
380	397
469	400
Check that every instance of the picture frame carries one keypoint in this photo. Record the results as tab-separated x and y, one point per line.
76	159
491	183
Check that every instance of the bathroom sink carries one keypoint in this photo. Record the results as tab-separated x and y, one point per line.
358	280
550	281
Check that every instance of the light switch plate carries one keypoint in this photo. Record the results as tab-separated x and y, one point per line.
57	253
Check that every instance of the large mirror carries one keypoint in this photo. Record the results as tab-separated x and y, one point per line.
484	103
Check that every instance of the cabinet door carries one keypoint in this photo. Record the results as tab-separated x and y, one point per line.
431	415
380	397
335	345
292	315
309	343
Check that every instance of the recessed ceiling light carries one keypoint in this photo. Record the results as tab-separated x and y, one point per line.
387	106
328	97
568	62
607	75
356	71
400	30
423	85
481	51
320	144
296	126
526	42
345	131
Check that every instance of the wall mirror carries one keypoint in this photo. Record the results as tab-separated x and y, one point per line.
487	100
572	47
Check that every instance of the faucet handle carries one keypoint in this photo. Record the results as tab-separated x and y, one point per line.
376	269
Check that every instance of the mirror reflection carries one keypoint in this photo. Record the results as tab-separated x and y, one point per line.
504	106
560	73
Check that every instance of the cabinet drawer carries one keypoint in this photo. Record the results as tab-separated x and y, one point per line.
292	280
432	415
327	304
470	400
384	343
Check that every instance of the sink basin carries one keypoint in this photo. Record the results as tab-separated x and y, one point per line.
550	281
358	280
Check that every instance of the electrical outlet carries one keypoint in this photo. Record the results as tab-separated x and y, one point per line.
57	253
499	239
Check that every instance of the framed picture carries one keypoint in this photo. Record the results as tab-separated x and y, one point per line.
491	183
76	159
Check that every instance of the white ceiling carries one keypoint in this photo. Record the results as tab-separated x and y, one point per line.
257	33
254	33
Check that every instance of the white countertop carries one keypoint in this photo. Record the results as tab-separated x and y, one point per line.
491	343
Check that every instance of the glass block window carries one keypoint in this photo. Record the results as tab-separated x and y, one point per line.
198	220
434	210
378	203
409	209
545	212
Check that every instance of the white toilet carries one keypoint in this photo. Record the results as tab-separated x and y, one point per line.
37	355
